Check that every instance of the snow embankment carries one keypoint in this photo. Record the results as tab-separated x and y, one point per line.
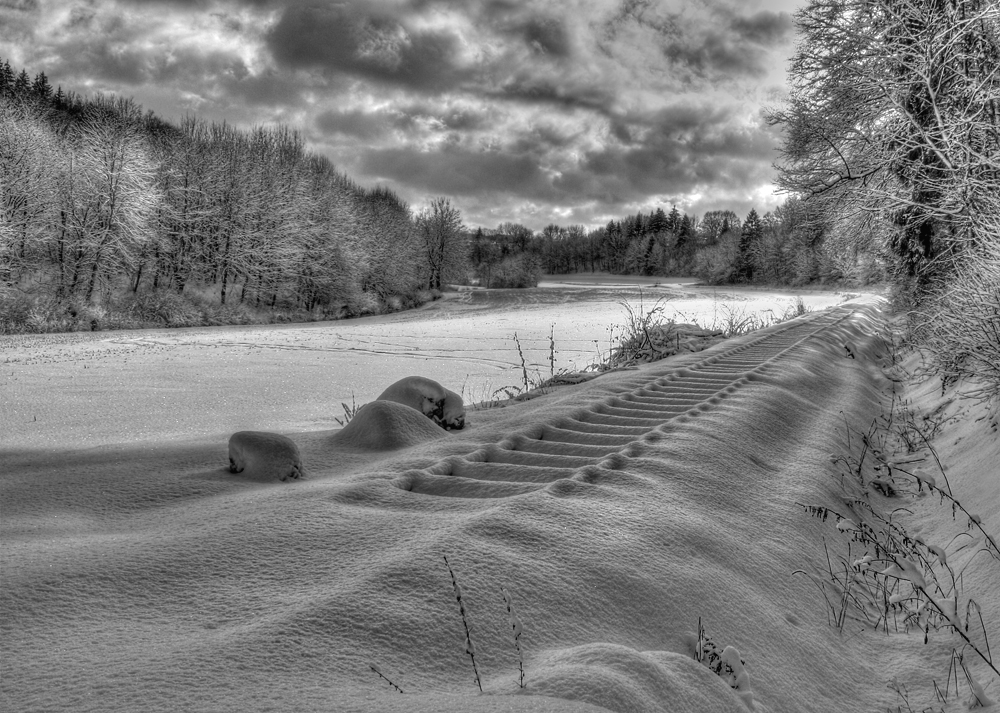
616	514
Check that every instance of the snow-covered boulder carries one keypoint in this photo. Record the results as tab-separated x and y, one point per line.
387	425
261	455
427	396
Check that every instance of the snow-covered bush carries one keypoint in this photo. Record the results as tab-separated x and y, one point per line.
727	664
960	324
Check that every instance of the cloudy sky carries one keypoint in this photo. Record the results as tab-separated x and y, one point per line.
532	111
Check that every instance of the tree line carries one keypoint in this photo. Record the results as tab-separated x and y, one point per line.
102	202
893	121
795	244
106	204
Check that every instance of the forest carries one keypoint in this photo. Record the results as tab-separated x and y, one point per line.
112	217
796	244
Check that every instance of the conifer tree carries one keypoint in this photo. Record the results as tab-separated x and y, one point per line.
22	85
41	87
657	221
7	78
674	220
749	241
684	231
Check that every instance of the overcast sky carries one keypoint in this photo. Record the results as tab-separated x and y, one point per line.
532	111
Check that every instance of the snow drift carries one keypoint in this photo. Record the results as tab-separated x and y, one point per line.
616	513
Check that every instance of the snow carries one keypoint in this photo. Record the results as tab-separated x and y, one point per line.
387	425
264	456
105	388
140	574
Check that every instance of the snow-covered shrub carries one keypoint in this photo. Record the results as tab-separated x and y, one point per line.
960	324
166	307
727	664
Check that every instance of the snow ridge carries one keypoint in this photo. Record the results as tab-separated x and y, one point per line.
603	434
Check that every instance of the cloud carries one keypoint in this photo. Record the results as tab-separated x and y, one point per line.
353	39
457	170
545	112
547	35
19	5
706	42
355	123
548	91
764	28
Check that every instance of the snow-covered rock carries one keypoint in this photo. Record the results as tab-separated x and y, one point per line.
261	455
439	404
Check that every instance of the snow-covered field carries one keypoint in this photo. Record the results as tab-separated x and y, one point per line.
88	389
139	574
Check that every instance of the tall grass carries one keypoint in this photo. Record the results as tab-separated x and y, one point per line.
889	579
647	334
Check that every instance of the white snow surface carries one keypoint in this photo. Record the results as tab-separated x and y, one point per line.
142	576
105	388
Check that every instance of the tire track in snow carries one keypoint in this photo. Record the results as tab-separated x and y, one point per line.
601	436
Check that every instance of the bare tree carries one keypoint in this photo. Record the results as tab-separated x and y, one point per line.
28	180
107	195
894	108
440	226
894	113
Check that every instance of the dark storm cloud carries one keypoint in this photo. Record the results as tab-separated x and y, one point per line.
546	35
80	18
106	61
621	131
720	44
457	171
683	118
263	89
740	47
765	28
544	91
358	124
353	39
716	55
461	119
19	5
539	139
410	118
198	4
199	72
685	148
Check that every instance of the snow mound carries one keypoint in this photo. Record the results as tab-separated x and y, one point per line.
387	425
622	679
442	406
264	456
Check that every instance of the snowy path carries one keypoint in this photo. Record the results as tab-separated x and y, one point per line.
592	435
617	513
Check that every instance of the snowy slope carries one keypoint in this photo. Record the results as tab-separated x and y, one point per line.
616	513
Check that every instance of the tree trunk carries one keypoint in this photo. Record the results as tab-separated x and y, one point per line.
138	277
225	278
93	276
